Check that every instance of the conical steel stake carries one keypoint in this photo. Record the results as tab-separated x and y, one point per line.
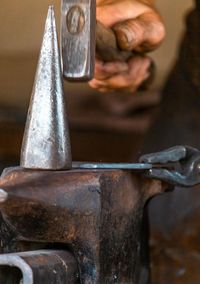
46	142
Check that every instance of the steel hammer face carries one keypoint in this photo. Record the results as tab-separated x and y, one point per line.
78	24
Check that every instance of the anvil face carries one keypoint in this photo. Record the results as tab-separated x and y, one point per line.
97	214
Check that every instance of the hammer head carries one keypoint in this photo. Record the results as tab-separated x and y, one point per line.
78	24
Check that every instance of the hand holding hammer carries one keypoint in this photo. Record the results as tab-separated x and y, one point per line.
79	31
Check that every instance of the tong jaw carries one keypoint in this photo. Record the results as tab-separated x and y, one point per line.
187	166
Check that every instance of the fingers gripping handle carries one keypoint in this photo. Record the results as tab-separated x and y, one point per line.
108	50
106	45
78	32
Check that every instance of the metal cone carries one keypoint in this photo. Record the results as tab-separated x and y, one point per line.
46	143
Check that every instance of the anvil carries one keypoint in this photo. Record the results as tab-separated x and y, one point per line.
96	214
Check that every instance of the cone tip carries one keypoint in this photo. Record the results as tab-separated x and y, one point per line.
51	9
51	15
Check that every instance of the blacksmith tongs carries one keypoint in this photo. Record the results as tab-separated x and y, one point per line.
179	165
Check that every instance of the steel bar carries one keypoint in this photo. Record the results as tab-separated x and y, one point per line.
112	166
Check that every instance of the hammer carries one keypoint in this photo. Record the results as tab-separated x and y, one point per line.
79	29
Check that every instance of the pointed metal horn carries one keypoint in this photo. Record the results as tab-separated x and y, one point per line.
46	143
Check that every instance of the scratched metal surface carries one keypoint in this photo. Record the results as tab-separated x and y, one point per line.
113	166
78	24
42	266
46	143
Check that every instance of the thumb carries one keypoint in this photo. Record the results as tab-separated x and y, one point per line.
141	34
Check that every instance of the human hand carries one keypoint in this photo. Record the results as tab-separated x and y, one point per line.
139	28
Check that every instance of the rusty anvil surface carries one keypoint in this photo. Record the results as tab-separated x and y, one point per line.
97	214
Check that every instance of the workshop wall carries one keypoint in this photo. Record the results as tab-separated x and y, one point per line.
21	28
173	13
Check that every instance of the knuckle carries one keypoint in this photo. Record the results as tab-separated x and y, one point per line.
159	33
129	34
155	30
